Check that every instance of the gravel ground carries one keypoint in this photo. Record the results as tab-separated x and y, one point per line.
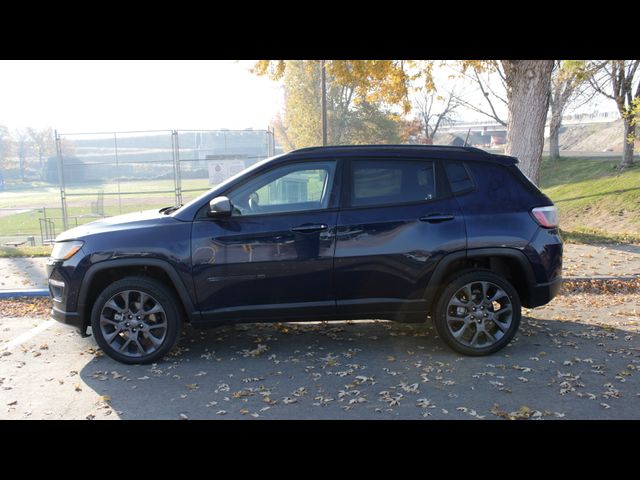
576	358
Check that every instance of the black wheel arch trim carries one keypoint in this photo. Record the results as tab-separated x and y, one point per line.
177	282
442	269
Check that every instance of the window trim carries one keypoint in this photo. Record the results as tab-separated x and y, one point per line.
348	197
334	196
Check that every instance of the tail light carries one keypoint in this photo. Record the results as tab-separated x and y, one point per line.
546	216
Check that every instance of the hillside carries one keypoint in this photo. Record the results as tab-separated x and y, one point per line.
592	196
593	137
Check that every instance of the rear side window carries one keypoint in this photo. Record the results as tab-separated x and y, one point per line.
384	182
458	176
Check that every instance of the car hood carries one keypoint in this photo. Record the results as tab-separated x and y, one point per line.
145	219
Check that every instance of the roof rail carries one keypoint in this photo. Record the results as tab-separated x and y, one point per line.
402	146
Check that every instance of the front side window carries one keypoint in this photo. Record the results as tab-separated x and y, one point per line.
290	188
383	182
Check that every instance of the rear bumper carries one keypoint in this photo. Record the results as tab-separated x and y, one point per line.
543	293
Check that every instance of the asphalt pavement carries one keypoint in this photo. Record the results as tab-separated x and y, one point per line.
576	358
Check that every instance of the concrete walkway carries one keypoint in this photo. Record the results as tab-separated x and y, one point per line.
597	261
580	261
23	272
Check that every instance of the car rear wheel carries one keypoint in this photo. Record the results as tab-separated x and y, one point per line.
478	313
136	320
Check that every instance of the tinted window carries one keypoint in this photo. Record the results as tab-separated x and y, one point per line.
458	177
286	189
376	182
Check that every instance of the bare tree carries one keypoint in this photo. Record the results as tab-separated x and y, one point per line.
23	148
5	144
569	82
43	142
434	111
615	79
494	97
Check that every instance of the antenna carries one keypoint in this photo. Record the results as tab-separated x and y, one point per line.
467	137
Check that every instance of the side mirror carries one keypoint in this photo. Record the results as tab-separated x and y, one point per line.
219	207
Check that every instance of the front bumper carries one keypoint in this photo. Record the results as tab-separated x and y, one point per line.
68	318
63	292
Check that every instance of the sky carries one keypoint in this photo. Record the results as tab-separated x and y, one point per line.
79	96
101	96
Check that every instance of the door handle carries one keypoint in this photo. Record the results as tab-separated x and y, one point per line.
436	218
310	228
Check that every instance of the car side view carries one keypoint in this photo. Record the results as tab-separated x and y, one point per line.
392	232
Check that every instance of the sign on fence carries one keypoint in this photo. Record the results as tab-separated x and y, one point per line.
223	167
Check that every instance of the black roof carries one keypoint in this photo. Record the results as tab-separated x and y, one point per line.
434	151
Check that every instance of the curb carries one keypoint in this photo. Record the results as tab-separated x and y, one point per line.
601	279
27	292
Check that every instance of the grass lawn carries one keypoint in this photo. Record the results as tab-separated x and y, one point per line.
28	223
25	251
597	202
142	195
40	194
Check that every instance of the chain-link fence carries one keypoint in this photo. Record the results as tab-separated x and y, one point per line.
95	175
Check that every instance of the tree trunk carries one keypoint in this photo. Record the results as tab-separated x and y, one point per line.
627	152
528	83
554	135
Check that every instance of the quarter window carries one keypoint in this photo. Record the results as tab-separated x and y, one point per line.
376	182
458	177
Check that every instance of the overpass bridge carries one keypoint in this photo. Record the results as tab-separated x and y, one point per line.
495	133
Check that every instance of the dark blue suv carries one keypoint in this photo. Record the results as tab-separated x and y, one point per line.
324	233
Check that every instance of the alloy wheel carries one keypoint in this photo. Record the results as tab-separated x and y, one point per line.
479	314
133	323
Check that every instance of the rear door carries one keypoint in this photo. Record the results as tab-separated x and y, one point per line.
398	220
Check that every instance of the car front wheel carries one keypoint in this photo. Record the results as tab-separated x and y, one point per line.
136	320
478	313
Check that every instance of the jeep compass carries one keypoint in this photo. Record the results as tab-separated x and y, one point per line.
403	233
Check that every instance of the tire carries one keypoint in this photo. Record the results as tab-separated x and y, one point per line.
485	321
132	333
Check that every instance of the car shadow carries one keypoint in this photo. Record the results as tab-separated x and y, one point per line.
355	370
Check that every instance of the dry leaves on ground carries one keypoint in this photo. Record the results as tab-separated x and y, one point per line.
25	307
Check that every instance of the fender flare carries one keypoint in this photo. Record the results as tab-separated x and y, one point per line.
179	285
441	270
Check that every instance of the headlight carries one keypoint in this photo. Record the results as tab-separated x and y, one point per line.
66	250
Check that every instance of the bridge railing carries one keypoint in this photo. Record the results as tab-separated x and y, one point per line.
595	117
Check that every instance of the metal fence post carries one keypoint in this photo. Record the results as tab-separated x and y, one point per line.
272	142
115	149
63	199
177	178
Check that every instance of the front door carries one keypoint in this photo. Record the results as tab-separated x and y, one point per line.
273	258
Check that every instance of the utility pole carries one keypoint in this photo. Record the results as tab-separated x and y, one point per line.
324	104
